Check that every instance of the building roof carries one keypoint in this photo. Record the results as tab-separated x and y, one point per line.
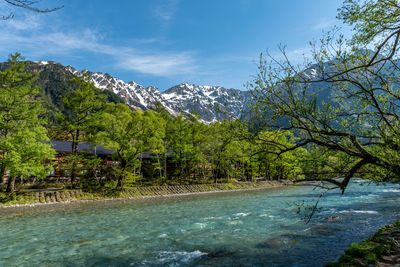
148	154
87	148
93	149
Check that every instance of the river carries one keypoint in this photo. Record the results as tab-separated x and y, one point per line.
253	228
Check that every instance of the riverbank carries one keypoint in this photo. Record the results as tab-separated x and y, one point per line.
382	249
259	227
40	197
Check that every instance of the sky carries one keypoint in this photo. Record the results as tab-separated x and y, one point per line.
163	43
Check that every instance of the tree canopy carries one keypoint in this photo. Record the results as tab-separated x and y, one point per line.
345	97
23	137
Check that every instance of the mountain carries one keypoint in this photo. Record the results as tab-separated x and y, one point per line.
212	103
53	81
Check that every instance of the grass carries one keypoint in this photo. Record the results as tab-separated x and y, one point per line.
17	198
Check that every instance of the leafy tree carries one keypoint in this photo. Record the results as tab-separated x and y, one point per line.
345	97
199	139
321	162
23	136
130	134
273	164
153	134
179	130
220	153
83	105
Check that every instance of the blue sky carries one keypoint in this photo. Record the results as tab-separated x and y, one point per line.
166	42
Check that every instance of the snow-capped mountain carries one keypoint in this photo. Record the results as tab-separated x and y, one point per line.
212	103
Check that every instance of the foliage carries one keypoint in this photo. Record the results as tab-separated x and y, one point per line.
197	152
274	164
130	134
345	98
83	104
23	137
152	147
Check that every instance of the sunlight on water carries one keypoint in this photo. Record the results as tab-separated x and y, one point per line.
256	228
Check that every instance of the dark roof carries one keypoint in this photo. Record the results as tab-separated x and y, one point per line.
88	148
148	154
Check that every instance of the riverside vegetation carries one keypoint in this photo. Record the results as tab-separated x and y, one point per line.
199	153
325	118
336	115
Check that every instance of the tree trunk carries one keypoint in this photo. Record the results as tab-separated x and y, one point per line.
120	185
159	166
267	172
180	167
75	150
2	173
140	166
165	165
2	169
11	184
73	168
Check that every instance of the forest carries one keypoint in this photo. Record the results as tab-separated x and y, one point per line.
196	152
333	116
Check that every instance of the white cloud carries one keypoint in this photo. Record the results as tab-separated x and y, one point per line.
27	23
33	41
159	65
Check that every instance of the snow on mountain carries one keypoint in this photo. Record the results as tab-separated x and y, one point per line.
212	103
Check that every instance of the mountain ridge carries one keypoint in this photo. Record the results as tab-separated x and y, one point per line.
212	103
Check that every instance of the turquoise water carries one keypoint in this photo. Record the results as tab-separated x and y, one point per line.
254	228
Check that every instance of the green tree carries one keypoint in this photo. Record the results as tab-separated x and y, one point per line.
345	97
199	139
179	130
23	136
221	153
83	105
153	135
130	134
272	164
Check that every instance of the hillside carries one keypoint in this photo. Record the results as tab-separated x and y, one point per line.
212	103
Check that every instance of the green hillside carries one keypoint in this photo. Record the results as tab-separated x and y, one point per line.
53	81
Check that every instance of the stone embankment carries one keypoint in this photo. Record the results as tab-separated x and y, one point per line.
54	196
